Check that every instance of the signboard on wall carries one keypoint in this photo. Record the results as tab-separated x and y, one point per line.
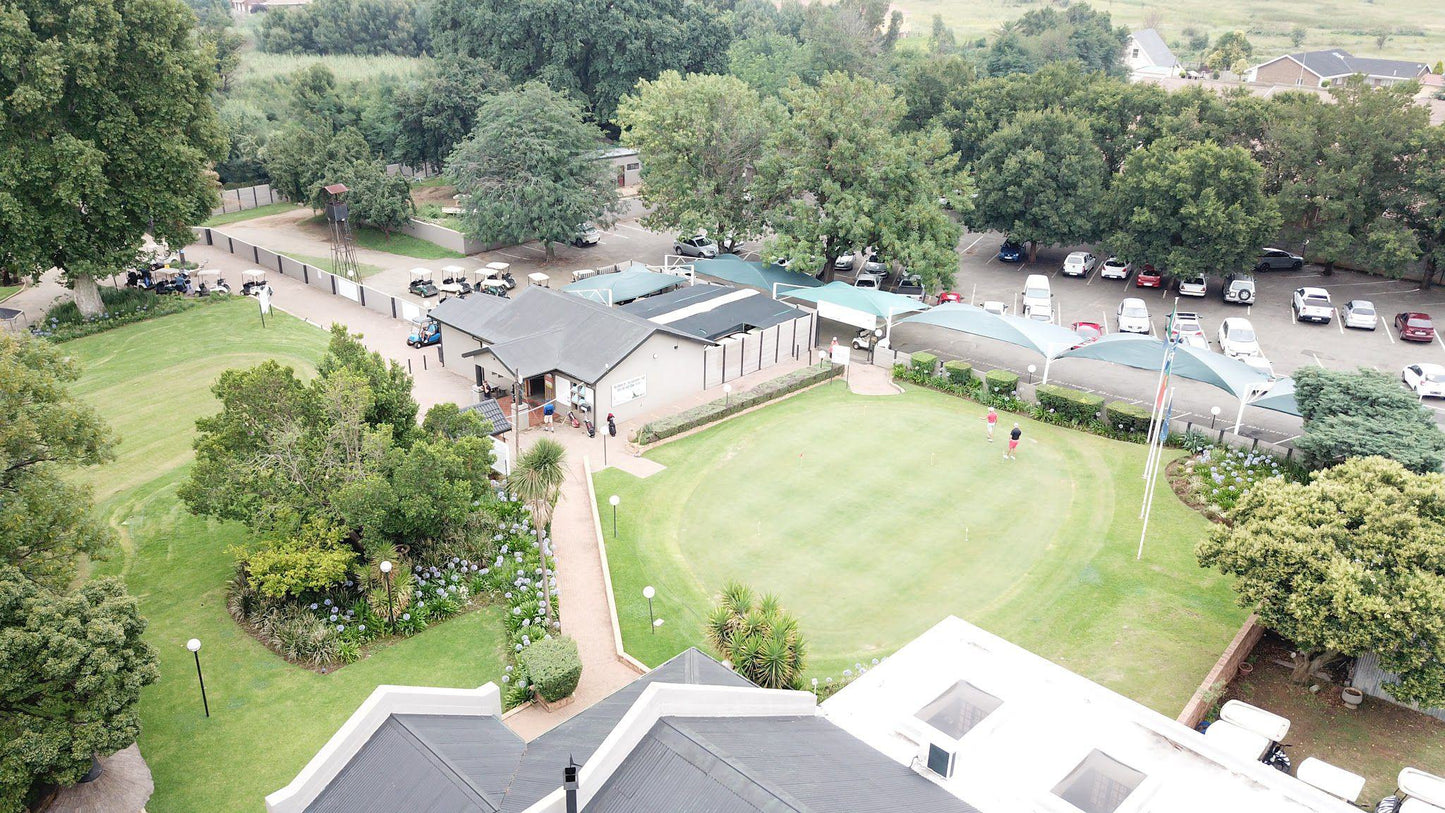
629	390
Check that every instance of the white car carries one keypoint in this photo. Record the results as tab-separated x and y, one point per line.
1360	313
587	235
1427	380
1039	311
1114	268
1078	264
701	246
1193	285
868	279
1037	295
871	264
994	307
1187	327
1133	316
1313	305
1238	340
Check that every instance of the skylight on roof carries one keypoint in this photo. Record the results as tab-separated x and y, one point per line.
961	707
1099	784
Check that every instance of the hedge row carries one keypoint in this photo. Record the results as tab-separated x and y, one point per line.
553	666
1001	382
960	372
722	408
925	363
1127	417
1070	404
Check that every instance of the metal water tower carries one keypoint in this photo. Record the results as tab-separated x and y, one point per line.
343	247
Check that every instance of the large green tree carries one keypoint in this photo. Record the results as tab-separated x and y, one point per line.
108	134
438	109
1353	562
1363	413
597	49
1424	210
346	27
45	519
72	666
530	170
838	175
1078	34
702	136
1039	180
1191	208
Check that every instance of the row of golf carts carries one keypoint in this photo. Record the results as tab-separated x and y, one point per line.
495	278
167	277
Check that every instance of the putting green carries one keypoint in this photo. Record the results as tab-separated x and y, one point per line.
874	517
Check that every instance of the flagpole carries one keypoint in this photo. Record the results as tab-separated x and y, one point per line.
1149	494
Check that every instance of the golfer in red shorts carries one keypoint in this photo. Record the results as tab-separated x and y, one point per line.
1013	442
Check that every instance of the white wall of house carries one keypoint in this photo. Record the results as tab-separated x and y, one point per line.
668	367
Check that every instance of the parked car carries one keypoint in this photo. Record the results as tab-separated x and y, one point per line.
1149	277
700	246
1427	380
910	285
1114	268
1415	327
1038	298
1360	313
995	307
1193	284
1313	305
1089	332
1239	288
1133	316
950	296
587	235
1078	264
1277	259
1010	252
1237	338
1188	329
871	264
867	279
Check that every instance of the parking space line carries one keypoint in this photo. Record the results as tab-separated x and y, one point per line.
1387	334
1317	359
1439	339
974	243
1340	321
633	228
1292	318
1372	282
618	236
513	256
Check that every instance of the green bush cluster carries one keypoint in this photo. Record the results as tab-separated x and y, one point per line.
717	410
1001	382
1069	404
553	666
925	363
124	306
1127	417
959	372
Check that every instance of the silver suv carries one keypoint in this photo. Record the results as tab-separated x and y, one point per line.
1239	287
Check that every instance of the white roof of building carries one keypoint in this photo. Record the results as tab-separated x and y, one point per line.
1154	47
1048	727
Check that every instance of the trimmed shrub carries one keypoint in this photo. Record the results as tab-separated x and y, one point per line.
959	372
719	409
124	306
1069	404
1001	382
1127	417
553	666
925	363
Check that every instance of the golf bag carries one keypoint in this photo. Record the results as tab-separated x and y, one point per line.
1389	804
611	425
591	428
572	419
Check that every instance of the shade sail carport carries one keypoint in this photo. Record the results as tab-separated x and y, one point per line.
767	278
1279	398
860	307
1048	340
624	286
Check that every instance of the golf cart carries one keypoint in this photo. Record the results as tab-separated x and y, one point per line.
454	280
425	332
421	283
252	281
869	339
499	271
211	283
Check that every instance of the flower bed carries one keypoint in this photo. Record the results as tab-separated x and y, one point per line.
124	306
1220	476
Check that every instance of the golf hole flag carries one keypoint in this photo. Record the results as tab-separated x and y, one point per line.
263	298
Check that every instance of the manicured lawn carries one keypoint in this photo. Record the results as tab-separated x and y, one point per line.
872	518
404	244
151	381
7	291
363	270
250	214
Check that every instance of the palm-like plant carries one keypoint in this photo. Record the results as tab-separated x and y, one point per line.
536	481
758	636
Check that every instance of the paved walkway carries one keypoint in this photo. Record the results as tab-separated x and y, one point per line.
866	379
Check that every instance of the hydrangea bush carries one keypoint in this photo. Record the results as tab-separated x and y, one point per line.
1221	475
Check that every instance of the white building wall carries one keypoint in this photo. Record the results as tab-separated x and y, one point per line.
671	366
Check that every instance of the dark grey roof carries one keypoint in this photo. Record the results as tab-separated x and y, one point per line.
540	771
426	763
723	764
748	313
542	330
1335	62
1153	46
492	412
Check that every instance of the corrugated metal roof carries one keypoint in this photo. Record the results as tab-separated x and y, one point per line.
764	764
738	314
542	330
1336	62
624	286
666	303
492	412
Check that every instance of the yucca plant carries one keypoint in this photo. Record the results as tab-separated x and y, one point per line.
758	636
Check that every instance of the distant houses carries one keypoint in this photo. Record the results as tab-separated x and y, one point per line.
1316	69
1146	55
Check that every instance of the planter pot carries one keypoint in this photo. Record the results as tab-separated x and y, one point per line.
1353	697
1245	668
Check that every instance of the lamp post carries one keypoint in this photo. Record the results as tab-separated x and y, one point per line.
648	592
194	645
613	501
1032	370
386	577
727	395
1213	416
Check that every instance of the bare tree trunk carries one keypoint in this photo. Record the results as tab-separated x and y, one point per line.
87	296
551	250
1307	663
1033	250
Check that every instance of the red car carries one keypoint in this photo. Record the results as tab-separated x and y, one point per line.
1415	327
1149	277
950	296
1088	332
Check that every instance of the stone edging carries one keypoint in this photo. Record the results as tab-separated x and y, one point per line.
607	573
1223	671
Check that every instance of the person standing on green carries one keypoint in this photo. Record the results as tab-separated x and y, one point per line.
1013	442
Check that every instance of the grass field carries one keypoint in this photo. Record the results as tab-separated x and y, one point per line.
363	270
872	518
250	214
397	243
7	291
151	381
1418	25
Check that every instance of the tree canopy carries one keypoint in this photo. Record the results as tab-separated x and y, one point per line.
1078	34
1353	562
346	27
1197	208
109	133
438	109
1363	413
530	170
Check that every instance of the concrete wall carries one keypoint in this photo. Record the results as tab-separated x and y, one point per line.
246	198
759	350
446	238
676	372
